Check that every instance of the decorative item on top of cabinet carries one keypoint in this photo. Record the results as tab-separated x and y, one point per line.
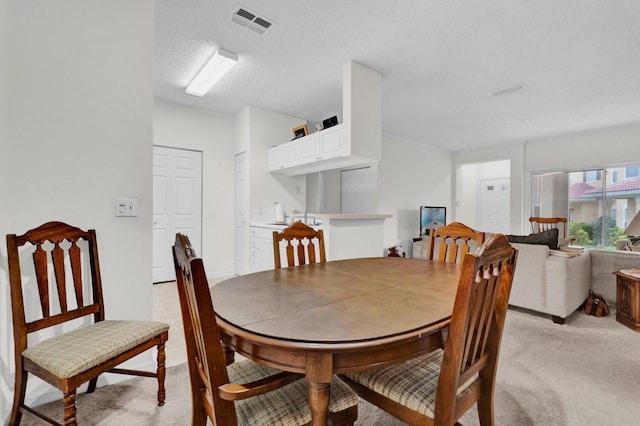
330	122
300	131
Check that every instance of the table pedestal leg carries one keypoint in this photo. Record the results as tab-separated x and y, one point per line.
229	354
319	402
319	375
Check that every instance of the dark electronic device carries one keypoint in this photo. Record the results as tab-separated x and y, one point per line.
330	122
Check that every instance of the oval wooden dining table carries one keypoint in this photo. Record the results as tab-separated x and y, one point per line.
336	317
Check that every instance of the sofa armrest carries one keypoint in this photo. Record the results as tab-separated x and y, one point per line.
567	285
529	280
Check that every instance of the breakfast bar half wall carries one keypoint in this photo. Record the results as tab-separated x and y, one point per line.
346	236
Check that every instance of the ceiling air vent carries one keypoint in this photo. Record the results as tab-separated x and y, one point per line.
251	20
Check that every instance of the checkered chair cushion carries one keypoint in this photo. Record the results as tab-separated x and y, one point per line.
287	405
412	384
72	353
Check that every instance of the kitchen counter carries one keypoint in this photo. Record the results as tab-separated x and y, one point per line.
346	236
270	225
349	216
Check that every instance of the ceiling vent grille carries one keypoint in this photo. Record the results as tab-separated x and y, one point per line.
251	20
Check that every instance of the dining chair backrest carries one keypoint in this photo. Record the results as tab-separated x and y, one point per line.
452	242
206	359
440	386
541	224
301	243
55	282
54	242
271	396
475	330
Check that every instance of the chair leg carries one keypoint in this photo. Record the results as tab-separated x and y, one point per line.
92	384
485	408
19	392
199	417
161	373
69	401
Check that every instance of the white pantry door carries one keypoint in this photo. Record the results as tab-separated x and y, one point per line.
177	205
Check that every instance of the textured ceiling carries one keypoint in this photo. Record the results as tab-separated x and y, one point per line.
578	60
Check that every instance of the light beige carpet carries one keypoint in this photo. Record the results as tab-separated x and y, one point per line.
586	372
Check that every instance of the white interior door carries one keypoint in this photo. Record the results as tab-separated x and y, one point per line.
177	205
241	213
494	206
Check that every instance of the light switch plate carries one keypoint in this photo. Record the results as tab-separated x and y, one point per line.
126	207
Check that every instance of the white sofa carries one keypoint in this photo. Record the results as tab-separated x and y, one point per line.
550	284
603	264
543	282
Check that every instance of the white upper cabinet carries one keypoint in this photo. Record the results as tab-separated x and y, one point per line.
283	156
308	148
356	142
324	150
332	143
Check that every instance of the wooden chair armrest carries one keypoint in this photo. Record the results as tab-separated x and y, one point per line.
234	391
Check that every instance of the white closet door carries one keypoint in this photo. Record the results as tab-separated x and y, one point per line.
177	205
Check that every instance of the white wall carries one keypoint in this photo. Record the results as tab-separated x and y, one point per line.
606	147
78	96
6	348
514	153
242	131
411	175
4	103
268	129
179	126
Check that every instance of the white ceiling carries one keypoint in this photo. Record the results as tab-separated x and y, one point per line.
578	60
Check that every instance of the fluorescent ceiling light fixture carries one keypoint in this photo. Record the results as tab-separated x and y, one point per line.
219	64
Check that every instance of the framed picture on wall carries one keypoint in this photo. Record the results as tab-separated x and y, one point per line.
300	131
432	218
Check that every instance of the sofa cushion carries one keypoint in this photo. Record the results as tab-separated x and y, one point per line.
548	238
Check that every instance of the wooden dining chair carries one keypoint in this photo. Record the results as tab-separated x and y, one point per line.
50	297
540	224
439	387
243	392
300	247
450	243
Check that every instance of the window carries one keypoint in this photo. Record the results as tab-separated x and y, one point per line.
631	171
592	175
597	205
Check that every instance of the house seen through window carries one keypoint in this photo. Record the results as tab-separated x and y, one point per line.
599	203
